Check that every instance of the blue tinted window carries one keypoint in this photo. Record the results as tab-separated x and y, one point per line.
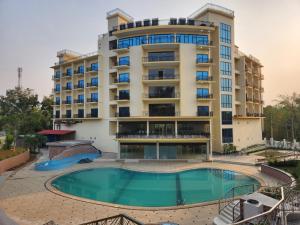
57	74
202	58
225	33
124	61
124	77
124	111
69	99
226	84
123	94
81	69
57	100
227	117
94	112
225	52
69	85
225	68
132	41
94	81
94	96
202	92
57	87
94	66
202	75
203	111
69	71
192	39
81	83
161	56
226	101
161	38
227	136
81	98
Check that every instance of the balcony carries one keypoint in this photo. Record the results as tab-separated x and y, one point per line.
162	58
66	75
122	65
181	135
92	100
162	96
127	114
66	116
78	73
91	70
161	114
55	90
249	114
91	85
170	78
122	98
89	115
204	79
204	45
204	114
78	101
204	97
204	62
76	86
67	88
249	99
121	81
79	116
66	102
56	77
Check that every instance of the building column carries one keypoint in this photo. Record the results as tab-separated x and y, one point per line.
147	127
209	143
157	150
176	127
119	150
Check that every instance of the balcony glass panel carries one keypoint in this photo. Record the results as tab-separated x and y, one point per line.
94	81
161	109
202	92
132	41
202	58
124	61
81	84
68	99
192	39
161	56
123	77
161	38
225	68
225	33
226	101
94	66
202	75
69	86
161	92
57	87
94	97
160	74
226	84
69	72
80	98
203	111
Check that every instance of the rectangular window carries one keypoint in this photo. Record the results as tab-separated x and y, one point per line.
69	99
124	112
94	97
225	33
94	112
226	101
123	77
227	136
123	94
162	110
57	87
202	92
69	86
160	74
202	75
81	84
124	61
132	41
57	100
80	98
57	114
162	92
161	56
80	113
226	84
69	113
225	68
94	66
161	38
202	58
203	111
226	117
225	52
192	39
69	71
57	74
94	81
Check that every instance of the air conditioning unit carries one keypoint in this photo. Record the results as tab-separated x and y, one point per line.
252	208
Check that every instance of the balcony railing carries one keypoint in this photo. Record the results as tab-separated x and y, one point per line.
91	85
76	86
55	90
200	61
78	101
91	100
208	96
89	115
122	114
181	134
210	78
249	99
201	113
126	97
164	77
66	88
67	75
254	114
78	116
78	72
90	69
55	77
68	116
162	95
161	58
120	81
158	114
65	102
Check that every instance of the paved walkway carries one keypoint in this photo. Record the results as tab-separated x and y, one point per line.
25	199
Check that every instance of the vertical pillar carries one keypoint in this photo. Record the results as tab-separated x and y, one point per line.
210	139
157	150
176	131
147	128
208	152
119	150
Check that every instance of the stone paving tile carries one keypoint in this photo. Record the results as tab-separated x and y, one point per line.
25	199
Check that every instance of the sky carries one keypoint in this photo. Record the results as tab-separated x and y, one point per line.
32	31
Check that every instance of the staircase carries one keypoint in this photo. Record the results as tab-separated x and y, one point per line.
229	214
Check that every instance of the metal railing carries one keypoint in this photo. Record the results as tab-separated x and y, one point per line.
162	95
209	78
199	61
209	96
164	77
76	56
164	136
120	219
162	58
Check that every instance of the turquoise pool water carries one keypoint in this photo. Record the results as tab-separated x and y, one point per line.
125	187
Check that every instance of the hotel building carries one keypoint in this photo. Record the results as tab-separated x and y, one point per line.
162	89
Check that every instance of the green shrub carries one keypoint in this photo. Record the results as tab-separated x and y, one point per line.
229	148
9	139
289	163
34	142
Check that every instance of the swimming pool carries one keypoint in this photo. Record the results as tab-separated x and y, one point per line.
148	189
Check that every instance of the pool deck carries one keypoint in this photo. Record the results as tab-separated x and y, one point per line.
25	199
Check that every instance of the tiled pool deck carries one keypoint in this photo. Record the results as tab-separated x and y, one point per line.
25	199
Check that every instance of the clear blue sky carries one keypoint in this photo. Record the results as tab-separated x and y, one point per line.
32	31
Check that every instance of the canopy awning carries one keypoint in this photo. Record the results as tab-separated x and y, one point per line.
56	132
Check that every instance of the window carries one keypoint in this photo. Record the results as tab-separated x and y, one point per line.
161	92
69	86
57	74
80	98
94	112
202	75
94	97
226	101
124	61
69	71
192	39
161	56
80	113
225	33
161	38
203	111
80	69
227	136
123	94
94	81
159	74
57	100
57	87
225	68
81	83
225	52
69	113
202	93
132	41
94	66
57	114
226	117
123	77
124	112
162	110
226	84
202	58
69	99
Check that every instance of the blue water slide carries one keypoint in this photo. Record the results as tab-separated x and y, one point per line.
56	164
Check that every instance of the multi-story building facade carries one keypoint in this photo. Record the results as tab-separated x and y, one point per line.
161	89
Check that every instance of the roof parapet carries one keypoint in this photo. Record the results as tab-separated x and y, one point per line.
119	12
210	6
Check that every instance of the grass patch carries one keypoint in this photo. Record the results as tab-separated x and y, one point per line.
5	154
